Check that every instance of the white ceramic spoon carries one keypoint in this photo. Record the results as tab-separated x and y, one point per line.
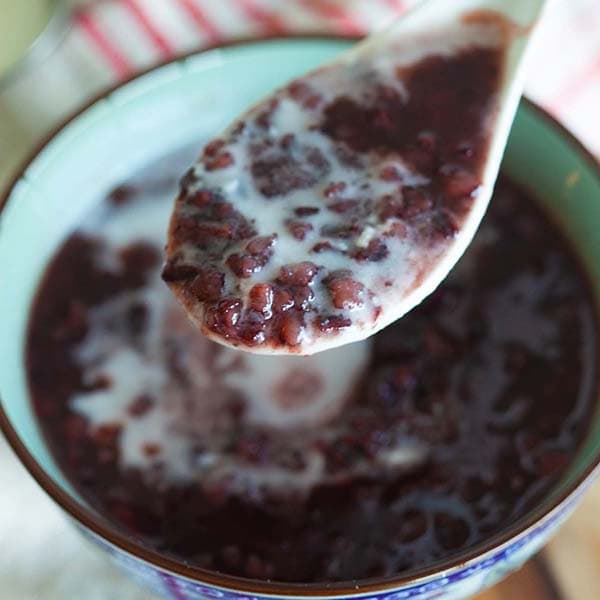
337	204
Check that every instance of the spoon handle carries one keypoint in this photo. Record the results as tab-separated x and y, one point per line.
524	13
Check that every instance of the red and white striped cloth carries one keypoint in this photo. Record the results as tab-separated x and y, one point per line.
117	38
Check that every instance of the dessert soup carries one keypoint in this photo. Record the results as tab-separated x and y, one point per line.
362	461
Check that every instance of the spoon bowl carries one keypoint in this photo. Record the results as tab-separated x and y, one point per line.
337	204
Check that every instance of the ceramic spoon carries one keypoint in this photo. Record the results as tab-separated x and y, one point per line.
338	203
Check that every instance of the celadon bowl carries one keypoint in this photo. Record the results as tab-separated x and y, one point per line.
185	102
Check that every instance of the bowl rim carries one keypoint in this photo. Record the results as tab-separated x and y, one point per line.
240	585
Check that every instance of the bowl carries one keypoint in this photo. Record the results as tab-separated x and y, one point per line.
183	102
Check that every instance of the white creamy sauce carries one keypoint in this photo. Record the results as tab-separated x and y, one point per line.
180	436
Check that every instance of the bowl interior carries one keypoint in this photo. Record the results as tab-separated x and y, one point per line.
184	103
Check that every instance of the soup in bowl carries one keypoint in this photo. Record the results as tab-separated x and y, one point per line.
427	462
